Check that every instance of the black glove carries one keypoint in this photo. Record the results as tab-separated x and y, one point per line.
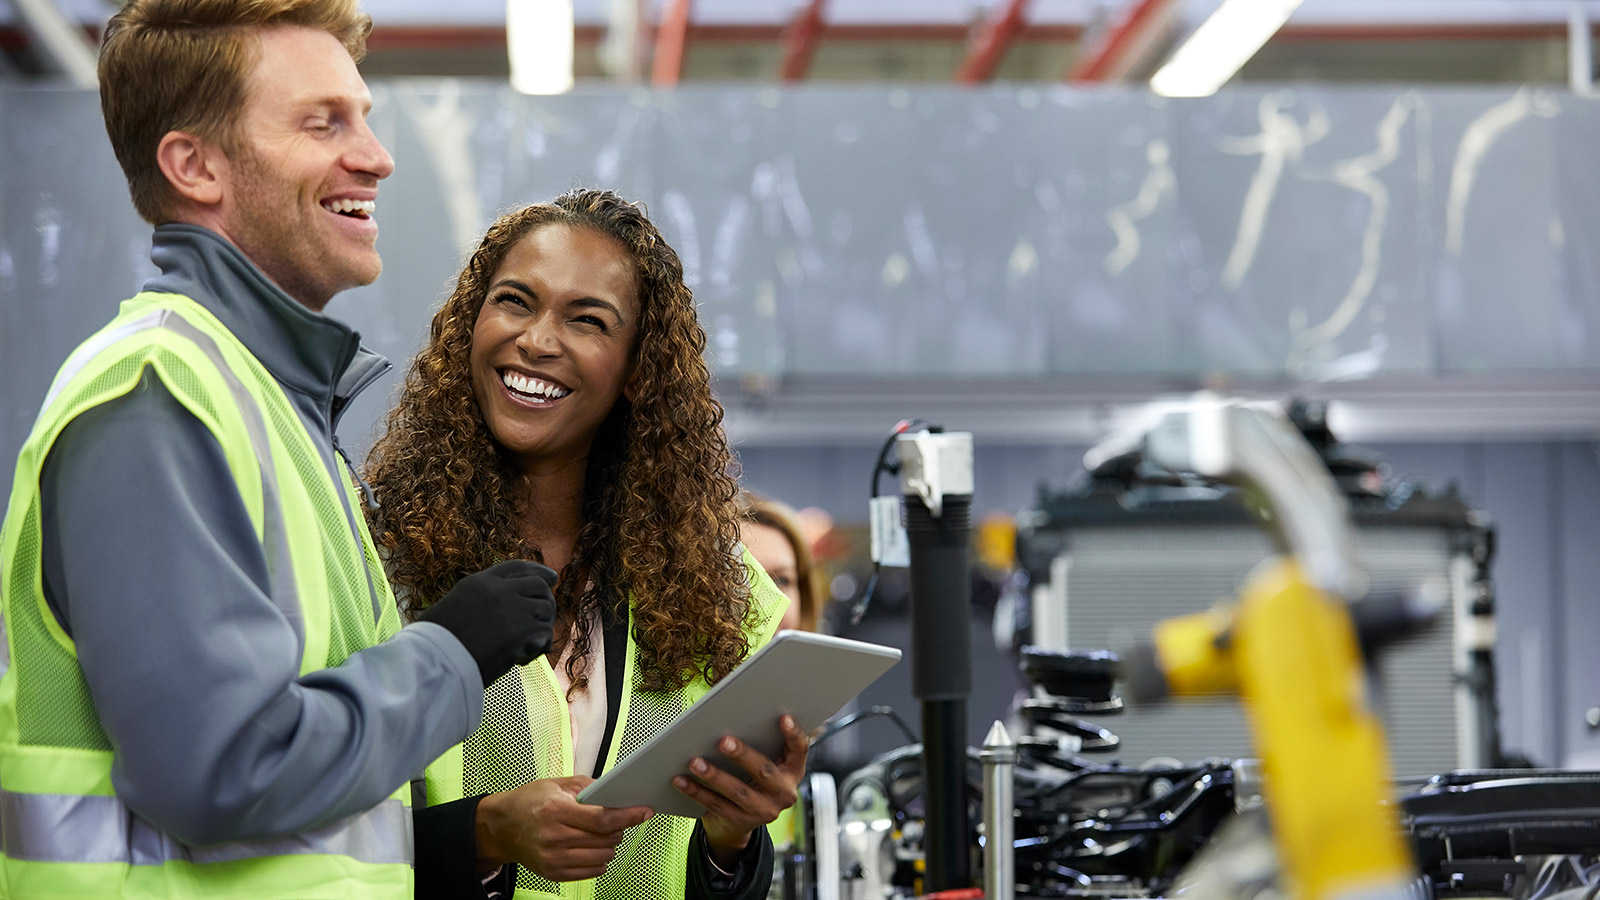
502	615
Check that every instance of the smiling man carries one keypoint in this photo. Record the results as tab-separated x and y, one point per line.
206	688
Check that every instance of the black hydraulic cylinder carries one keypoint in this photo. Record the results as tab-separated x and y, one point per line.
941	678
944	784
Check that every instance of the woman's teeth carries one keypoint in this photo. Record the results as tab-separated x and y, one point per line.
533	387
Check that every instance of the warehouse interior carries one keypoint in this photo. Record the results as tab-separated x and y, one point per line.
982	214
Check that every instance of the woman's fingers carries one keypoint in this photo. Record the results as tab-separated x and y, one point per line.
604	821
716	803
576	865
547	830
776	779
770	790
734	808
795	747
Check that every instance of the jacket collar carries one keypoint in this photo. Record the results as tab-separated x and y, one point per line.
307	352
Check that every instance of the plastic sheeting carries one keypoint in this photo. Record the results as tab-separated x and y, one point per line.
929	232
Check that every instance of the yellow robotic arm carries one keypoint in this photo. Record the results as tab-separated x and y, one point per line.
1288	648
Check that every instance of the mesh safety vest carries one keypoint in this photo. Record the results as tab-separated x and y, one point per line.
527	734
63	830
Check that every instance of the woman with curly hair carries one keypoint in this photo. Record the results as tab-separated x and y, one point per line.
562	412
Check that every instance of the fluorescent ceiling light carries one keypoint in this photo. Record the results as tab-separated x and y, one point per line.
539	40
1220	46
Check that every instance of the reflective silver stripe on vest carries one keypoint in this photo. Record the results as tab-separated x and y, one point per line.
91	348
61	828
280	568
275	543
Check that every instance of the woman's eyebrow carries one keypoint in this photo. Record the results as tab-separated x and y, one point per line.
597	303
514	283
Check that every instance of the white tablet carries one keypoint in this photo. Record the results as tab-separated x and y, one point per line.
808	676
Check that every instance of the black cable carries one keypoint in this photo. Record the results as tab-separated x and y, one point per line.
1589	873
859	610
1546	878
884	464
1071	781
888	711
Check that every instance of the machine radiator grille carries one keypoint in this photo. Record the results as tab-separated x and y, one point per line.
1121	579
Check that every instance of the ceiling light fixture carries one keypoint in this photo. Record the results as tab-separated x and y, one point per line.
539	36
1220	46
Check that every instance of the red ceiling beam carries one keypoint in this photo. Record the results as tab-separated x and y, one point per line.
931	32
1442	31
667	66
16	38
800	41
989	46
443	37
447	37
1126	44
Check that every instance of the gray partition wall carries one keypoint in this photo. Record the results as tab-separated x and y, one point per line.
1015	232
879	250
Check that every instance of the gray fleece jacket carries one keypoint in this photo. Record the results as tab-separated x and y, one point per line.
153	568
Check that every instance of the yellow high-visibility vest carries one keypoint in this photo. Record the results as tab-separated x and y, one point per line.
527	735
64	833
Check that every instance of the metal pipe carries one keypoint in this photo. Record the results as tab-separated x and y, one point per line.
1580	49
936	484
824	844
986	50
63	42
1128	46
672	37
624	49
799	41
999	768
946	840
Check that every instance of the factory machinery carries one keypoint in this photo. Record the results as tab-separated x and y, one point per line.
1266	766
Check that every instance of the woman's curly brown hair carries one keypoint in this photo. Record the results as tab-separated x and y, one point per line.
659	524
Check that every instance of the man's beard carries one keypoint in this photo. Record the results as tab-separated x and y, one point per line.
273	233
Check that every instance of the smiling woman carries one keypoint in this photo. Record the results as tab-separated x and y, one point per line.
551	345
562	412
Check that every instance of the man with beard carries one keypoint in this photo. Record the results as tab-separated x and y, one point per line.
206	688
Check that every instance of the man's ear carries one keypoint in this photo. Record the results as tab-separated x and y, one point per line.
196	168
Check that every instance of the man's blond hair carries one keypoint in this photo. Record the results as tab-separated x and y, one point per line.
183	65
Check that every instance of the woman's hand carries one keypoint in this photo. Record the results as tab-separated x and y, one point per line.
543	827
735	809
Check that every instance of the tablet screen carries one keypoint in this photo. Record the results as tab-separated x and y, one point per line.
807	676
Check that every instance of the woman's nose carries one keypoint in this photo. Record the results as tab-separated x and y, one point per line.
539	339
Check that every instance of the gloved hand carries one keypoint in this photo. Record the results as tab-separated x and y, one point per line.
502	615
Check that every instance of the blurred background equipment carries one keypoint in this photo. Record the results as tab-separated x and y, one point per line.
1305	807
1289	648
1134	543
936	492
1090	829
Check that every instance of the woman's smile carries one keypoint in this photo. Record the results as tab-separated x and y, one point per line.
531	389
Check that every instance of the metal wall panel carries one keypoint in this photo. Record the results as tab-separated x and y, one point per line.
1122	580
1011	232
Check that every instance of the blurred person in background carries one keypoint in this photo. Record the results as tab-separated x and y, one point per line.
771	532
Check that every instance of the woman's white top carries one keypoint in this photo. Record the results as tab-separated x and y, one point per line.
587	708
